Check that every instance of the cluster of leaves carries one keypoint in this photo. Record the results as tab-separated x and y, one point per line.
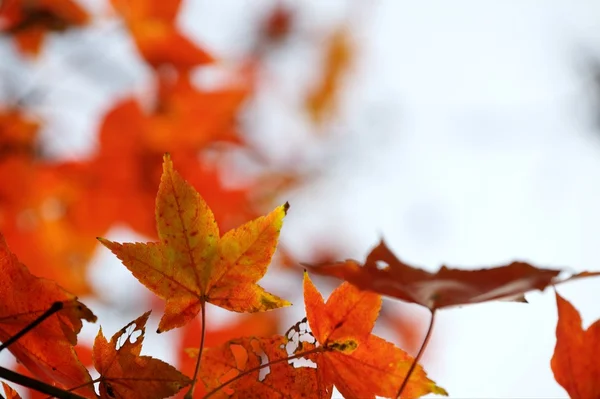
58	207
193	264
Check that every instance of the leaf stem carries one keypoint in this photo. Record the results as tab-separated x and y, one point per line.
262	366
56	306
190	392
418	357
39	386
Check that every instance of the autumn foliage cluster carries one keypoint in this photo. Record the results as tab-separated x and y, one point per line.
209	243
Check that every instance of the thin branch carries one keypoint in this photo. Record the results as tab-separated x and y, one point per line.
39	386
419	354
56	306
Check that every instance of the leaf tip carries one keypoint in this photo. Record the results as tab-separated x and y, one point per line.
439	391
167	162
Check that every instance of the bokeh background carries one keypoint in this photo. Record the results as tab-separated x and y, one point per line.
465	133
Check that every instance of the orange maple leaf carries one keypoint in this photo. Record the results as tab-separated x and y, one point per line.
30	20
47	351
385	274
192	264
45	220
125	374
360	364
575	360
241	361
152	25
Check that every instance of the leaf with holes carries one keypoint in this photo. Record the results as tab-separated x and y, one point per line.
575	360
385	274
262	324
240	361
192	264
47	350
126	374
360	364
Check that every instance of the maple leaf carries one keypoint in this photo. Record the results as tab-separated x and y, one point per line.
152	25
383	273
9	392
360	364
125	374
47	351
240	361
192	264
30	20
575	360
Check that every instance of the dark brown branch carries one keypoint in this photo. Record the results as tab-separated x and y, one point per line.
56	306
39	386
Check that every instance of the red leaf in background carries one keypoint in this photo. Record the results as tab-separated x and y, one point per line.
36	207
18	137
575	361
408	328
152	24
383	273
44	220
189	119
30	20
278	23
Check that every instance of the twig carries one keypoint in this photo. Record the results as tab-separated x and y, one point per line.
419	354
190	392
